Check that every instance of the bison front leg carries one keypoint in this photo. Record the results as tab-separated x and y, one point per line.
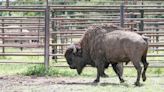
118	68
100	71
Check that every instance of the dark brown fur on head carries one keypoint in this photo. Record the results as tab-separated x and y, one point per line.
74	57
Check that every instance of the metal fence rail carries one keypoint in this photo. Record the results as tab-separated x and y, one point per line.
60	25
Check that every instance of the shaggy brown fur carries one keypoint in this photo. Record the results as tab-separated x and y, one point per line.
85	43
99	46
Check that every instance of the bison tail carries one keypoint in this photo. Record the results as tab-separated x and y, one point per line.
145	38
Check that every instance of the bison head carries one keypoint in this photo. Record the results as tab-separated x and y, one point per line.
74	58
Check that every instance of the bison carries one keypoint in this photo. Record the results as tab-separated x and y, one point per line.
112	47
91	33
94	31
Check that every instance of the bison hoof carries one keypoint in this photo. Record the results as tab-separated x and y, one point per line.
96	81
122	81
137	84
144	78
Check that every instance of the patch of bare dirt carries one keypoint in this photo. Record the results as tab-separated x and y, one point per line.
10	82
20	83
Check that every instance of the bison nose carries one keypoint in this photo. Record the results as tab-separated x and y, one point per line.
72	67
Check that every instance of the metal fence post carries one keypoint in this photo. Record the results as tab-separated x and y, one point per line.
46	40
3	40
54	36
122	15
7	3
141	25
157	29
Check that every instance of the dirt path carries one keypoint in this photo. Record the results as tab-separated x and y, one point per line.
37	84
68	84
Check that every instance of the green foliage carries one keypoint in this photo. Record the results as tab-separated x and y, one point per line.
29	2
159	16
38	70
60	72
158	71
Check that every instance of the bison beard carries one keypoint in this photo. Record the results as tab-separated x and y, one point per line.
114	47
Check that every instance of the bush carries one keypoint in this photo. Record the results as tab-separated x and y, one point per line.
40	70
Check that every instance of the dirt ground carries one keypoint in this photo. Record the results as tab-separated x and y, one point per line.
76	84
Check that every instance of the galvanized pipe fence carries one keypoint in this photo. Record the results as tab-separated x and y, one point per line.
61	25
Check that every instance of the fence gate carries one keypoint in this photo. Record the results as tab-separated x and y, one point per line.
22	34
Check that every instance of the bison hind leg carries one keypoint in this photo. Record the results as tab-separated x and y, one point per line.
136	63
118	68
145	64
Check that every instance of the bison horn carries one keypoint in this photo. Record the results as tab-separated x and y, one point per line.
74	49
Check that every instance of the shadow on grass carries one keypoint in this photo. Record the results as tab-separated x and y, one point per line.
94	84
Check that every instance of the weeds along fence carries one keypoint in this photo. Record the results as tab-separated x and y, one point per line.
57	26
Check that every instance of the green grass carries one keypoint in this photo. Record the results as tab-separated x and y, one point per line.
39	70
22	58
72	82
12	69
